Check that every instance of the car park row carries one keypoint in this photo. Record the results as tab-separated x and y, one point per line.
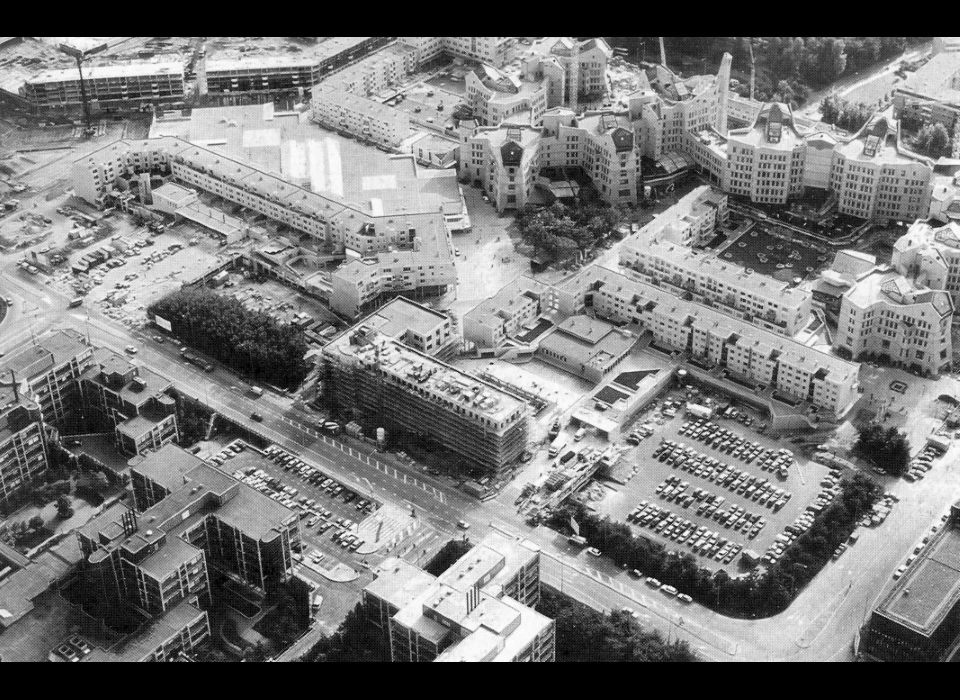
727	442
680	456
706	543
711	506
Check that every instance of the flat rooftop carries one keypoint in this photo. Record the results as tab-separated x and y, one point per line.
930	587
49	352
402	316
589	342
110	72
167	466
427	375
237	53
939	79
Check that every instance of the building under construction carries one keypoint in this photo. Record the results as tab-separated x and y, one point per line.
373	377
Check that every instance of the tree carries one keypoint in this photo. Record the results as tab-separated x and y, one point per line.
934	141
888	448
36	523
64	508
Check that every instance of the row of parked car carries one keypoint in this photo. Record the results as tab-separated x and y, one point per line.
698	538
920	547
735	480
639	435
921	464
728	442
711	506
830	489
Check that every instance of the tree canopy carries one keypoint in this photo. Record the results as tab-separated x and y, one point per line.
887	448
250	342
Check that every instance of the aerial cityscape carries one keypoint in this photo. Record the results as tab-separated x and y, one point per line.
479	349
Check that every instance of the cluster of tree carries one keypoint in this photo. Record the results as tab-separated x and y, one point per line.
585	635
448	555
756	595
844	114
887	448
933	140
288	620
800	62
561	231
16	534
356	640
250	342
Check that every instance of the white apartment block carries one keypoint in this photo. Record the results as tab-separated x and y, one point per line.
504	161
395	251
772	162
340	110
716	339
931	256
492	322
693	221
885	316
573	69
757	299
496	51
378	72
134	85
497	97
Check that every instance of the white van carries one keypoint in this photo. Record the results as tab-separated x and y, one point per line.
582	433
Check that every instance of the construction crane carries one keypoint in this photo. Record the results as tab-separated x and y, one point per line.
80	55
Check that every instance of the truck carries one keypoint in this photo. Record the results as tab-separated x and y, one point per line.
558	444
74	303
698	411
577	540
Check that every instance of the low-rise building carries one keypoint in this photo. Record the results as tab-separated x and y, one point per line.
340	110
932	93
586	347
108	87
931	255
919	618
717	340
514	308
479	610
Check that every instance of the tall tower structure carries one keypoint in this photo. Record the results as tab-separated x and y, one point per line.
723	93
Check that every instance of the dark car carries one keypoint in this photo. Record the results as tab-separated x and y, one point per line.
256	417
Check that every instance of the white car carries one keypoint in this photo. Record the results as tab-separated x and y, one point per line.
594	552
131	350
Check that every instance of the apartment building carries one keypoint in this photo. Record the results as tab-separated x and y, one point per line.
268	76
23	455
495	96
189	518
692	222
479	610
416	326
886	316
703	277
574	69
399	238
512	310
134	400
378	72
178	633
772	162
714	339
371	376
109	87
493	50
504	160
875	179
340	110
930	255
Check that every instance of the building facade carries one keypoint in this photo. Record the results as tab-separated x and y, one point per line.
479	610
371	376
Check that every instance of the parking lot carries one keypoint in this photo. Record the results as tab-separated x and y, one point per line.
331	514
726	480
